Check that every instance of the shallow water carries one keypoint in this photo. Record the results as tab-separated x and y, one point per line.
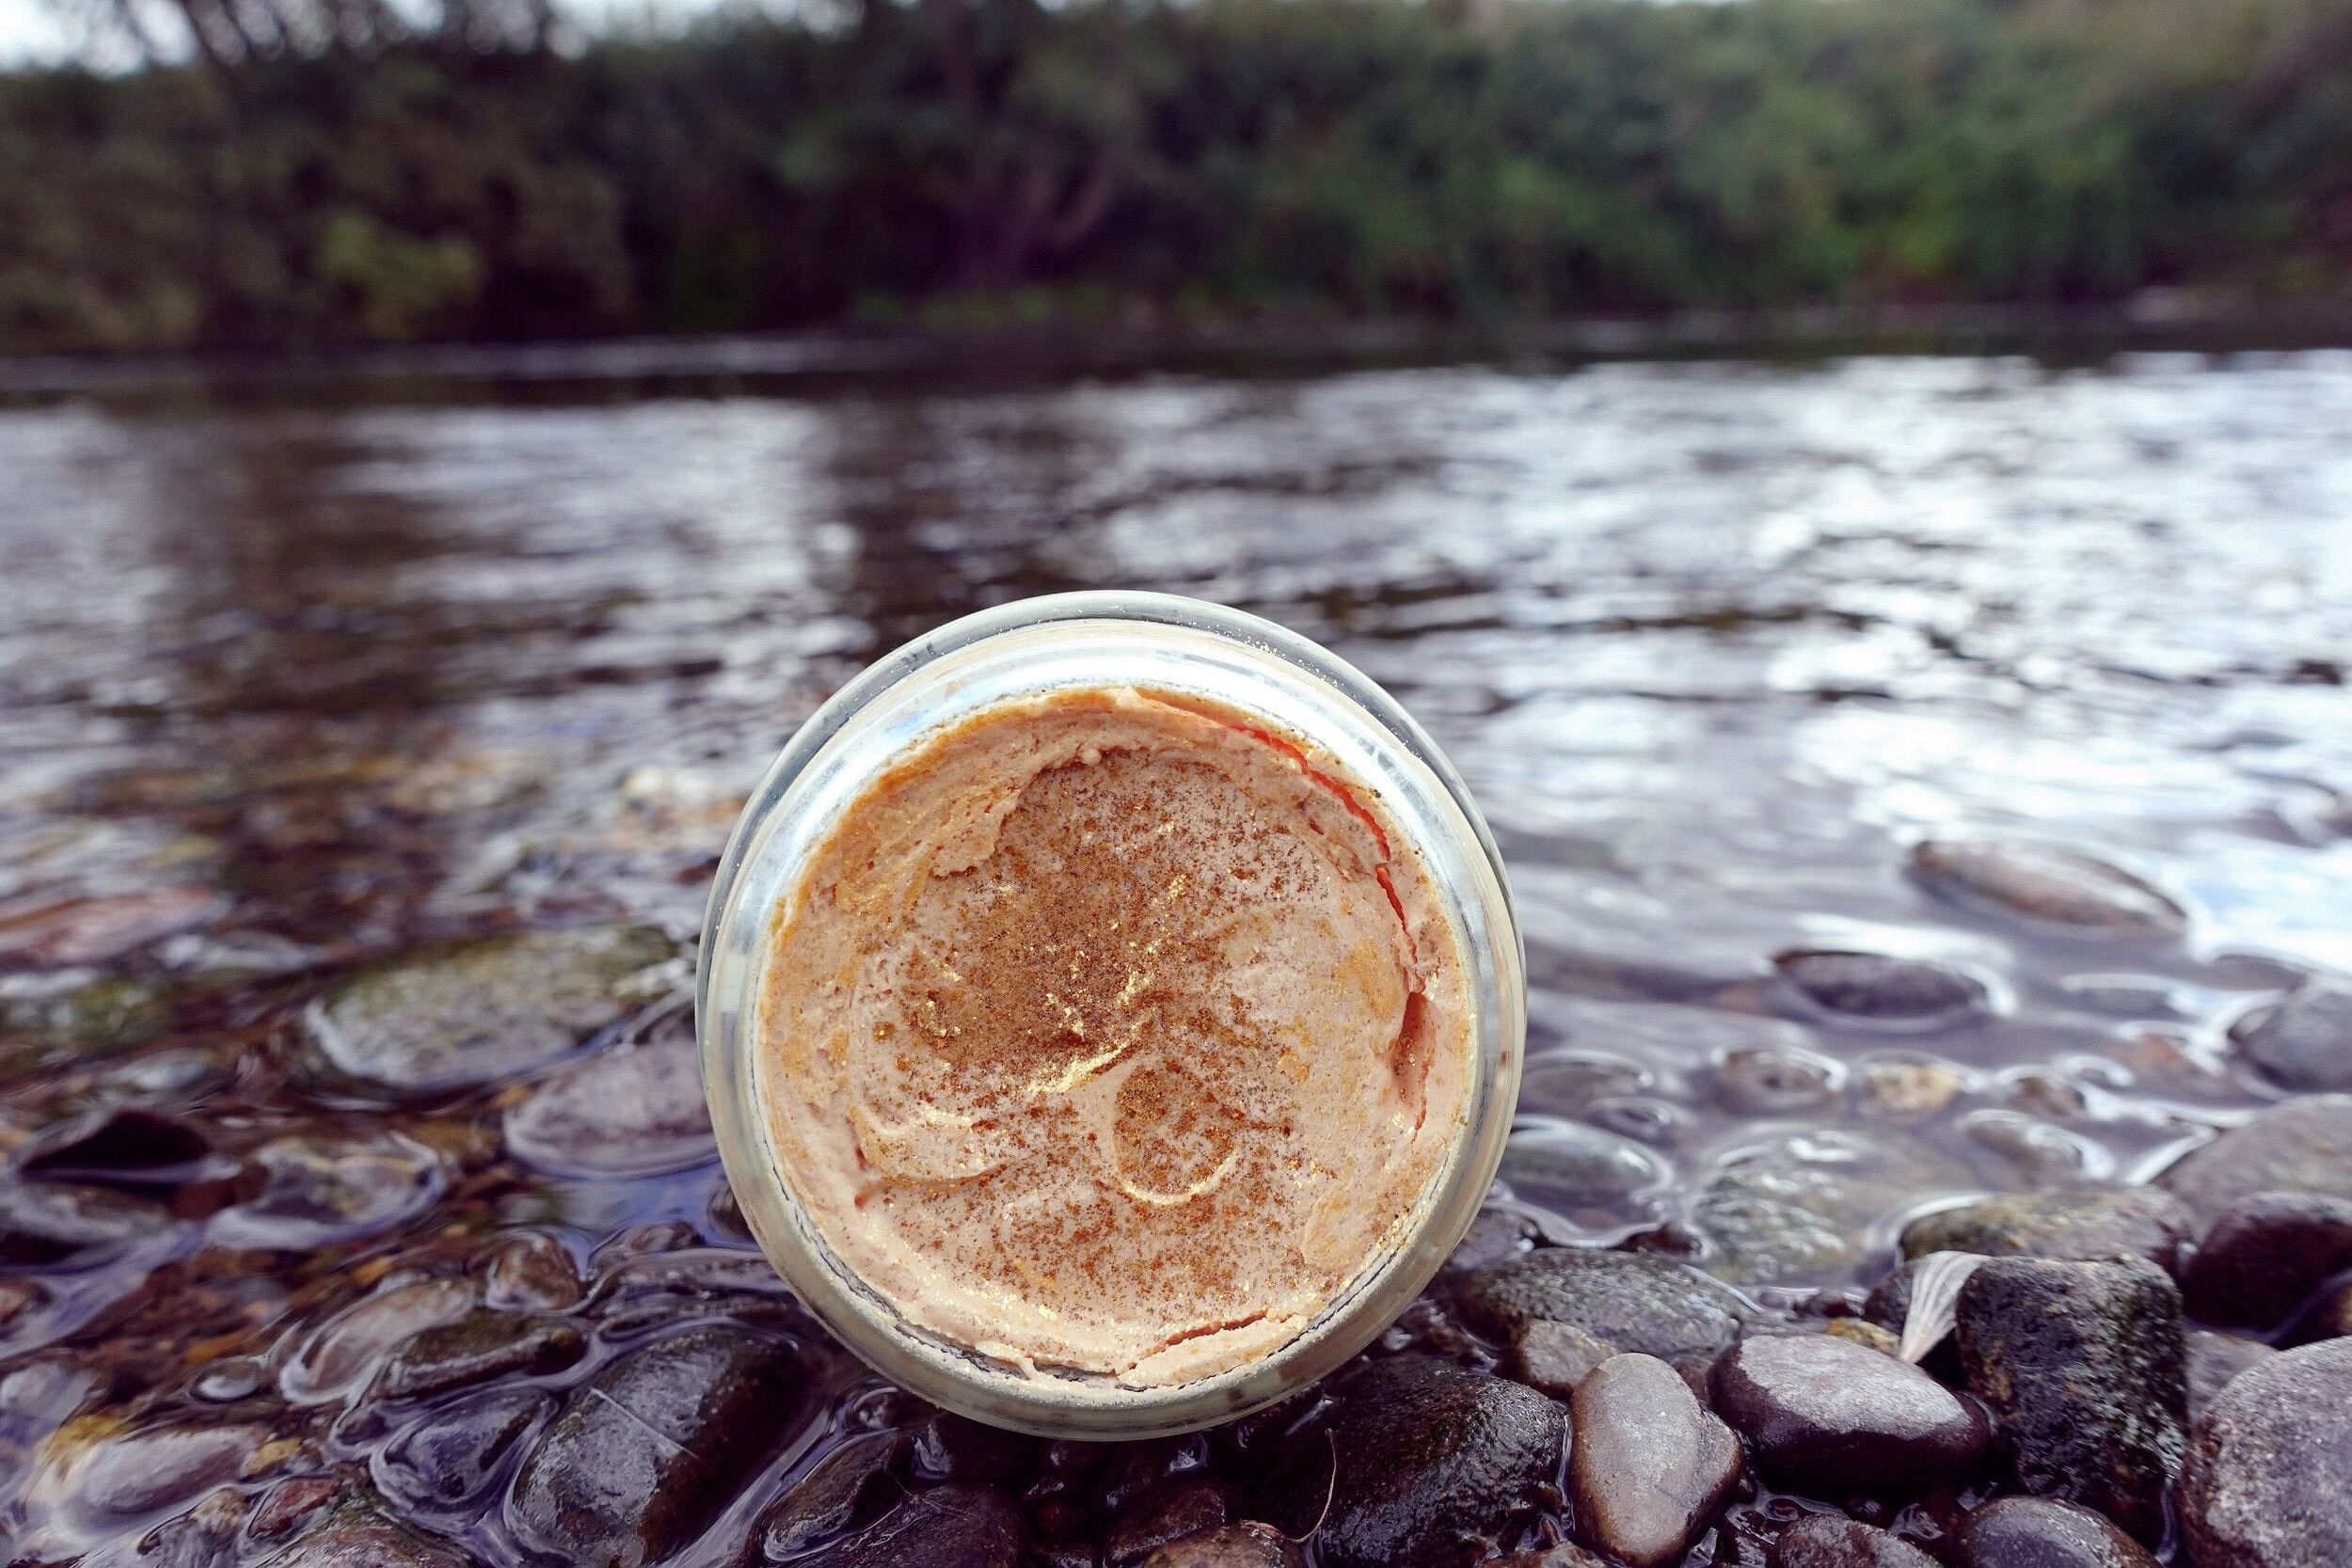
286	689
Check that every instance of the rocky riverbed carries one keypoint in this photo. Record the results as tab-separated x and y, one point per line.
1925	786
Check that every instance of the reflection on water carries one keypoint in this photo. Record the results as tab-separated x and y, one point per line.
1714	645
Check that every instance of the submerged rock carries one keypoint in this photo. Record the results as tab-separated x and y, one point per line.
948	1527
339	1353
2083	1367
1426	1462
2304	1146
1827	1541
2085	1223
1650	1465
2038	1533
305	1189
1631	1300
49	1225
635	1110
122	1146
89	1017
2265	1255
476	1349
357	1537
647	1452
1828	1416
2302	1041
479	1012
2263	1485
1882	990
1775	1080
1797	1205
2051	887
1570	1166
844	1490
451	1457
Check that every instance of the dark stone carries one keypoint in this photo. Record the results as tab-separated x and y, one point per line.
48	1226
1878	989
649	1451
1634	1301
2267	1256
453	1455
2083	1222
2302	1041
1179	1508
1650	1465
1494	1234
1553	1357
2264	1482
2038	1533
635	1110
2215	1361
1827	1541
125	1147
1775	1081
1828	1416
476	1349
2304	1146
1244	1545
1423	1463
843	1491
2052	887
948	1527
1136	1469
955	1447
2083	1367
357	1537
478	1011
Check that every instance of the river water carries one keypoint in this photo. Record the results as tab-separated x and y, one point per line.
287	685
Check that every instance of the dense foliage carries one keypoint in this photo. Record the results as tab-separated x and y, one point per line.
1495	158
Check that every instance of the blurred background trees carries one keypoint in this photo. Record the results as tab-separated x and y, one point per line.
304	172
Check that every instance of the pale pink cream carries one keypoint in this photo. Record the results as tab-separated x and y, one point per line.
1110	1032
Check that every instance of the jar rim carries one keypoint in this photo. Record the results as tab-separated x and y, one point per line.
966	667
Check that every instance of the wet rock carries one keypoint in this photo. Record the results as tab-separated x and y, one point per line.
476	1349
649	1451
339	1353
949	1447
123	1146
89	1017
1566	1554
1553	1357
1797	1205
1634	1301
1244	1545
2267	1256
2264	1484
2052	887
306	1190
635	1110
1827	1541
1184	1506
49	1225
359	1538
2215	1361
77	931
479	1012
1882	990
2038	1532
1423	1461
2085	1223
843	1491
2302	1041
1571	1165
452	1456
2304	1146
1829	1418
948	1527
1494	1235
1870	1336
528	1271
1650	1465
286	1505
2083	1367
1775	1081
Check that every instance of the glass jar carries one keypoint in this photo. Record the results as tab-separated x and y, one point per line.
1092	640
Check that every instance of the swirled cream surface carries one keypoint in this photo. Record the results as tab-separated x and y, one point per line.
1109	1031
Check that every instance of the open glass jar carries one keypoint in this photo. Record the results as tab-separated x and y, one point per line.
1081	642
